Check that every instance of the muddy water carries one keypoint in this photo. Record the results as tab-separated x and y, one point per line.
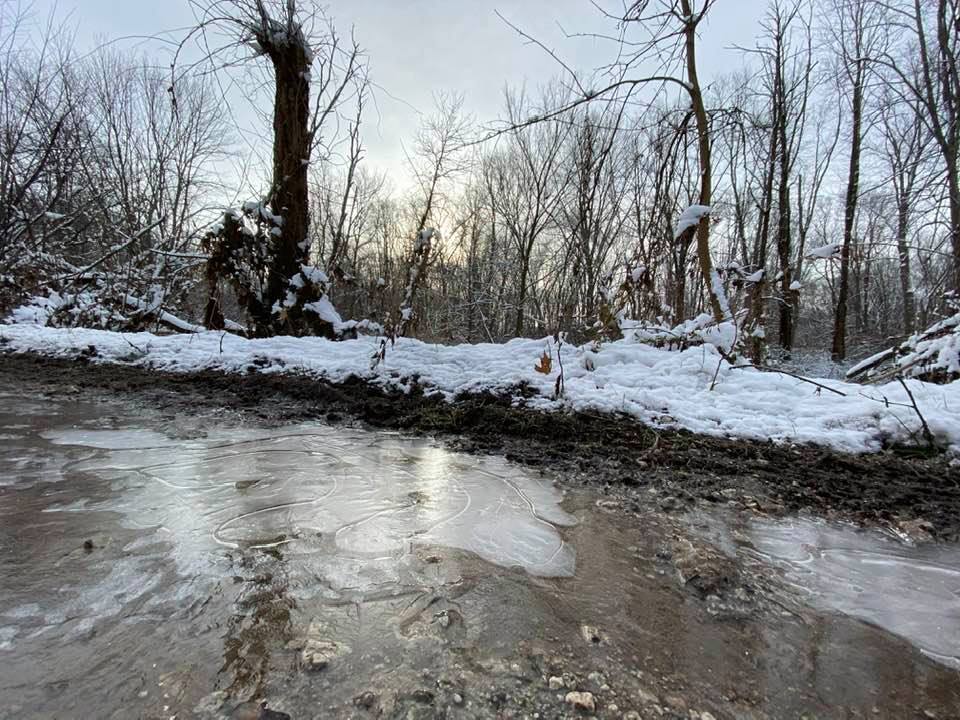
156	566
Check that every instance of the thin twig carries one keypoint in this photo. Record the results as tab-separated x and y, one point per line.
927	435
793	375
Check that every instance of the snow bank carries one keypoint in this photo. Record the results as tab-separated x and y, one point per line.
660	387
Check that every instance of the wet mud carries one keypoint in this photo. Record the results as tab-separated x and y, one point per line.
164	555
904	489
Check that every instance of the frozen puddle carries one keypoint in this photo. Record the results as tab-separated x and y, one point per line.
913	592
355	502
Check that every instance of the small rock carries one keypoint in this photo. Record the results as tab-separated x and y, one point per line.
669	503
704	715
593	634
596	678
676	702
319	650
457	699
918	530
632	715
556	683
581	701
88	545
366	700
613	708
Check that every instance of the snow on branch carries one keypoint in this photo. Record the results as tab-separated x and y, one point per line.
826	252
689	218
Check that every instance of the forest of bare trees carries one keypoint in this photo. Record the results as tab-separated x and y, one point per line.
810	196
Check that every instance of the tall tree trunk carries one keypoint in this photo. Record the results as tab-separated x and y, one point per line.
710	278
953	188
783	227
522	290
839	345
291	153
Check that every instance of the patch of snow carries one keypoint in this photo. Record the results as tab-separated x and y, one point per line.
325	310
654	385
690	218
37	310
314	274
721	294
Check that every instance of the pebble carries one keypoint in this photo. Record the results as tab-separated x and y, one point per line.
676	702
581	701
319	650
365	700
592	634
457	699
556	683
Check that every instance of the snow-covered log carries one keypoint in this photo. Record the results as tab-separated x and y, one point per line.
932	355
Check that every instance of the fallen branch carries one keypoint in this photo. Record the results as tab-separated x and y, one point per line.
162	316
120	248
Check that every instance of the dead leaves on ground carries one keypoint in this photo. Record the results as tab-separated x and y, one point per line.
545	365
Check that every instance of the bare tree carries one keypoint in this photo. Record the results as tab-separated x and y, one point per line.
437	158
525	185
929	79
856	38
304	51
593	211
905	144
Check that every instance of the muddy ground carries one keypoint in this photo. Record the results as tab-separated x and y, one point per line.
657	622
905	489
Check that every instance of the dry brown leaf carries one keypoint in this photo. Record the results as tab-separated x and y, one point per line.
545	365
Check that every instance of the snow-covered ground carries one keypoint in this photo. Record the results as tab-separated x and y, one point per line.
660	387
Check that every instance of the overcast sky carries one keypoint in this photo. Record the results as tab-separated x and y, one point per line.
417	48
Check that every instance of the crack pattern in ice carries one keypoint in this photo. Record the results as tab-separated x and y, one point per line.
357	495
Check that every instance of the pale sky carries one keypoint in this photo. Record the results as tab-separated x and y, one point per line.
417	48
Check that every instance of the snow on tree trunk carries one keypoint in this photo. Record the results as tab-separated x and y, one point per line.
291	60
720	313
